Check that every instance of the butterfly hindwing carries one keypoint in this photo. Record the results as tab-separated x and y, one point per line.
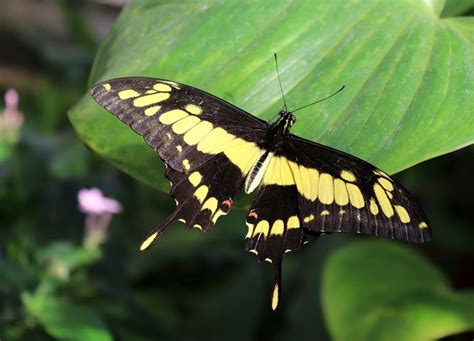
206	193
186	126
341	193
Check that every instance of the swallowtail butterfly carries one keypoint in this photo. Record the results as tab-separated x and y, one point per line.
213	150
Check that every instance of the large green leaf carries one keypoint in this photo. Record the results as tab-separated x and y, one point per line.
409	75
378	290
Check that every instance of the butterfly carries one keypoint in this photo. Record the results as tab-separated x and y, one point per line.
213	150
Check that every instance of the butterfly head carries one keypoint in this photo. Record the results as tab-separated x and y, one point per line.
287	117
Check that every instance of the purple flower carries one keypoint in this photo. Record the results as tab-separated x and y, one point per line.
99	210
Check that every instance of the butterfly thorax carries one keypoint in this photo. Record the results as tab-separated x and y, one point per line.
274	140
278	131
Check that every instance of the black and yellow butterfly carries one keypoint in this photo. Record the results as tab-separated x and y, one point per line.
213	149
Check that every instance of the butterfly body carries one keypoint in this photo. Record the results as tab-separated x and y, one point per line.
214	150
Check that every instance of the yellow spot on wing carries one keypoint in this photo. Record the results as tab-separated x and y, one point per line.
172	116
387	184
423	225
348	176
162	87
314	179
325	212
274	170
355	195
270	177
195	178
326	189
216	215
250	230
308	218
340	192
179	148
275	297
297	176
150	92
213	143
152	110
193	109
185	124
374	209
197	133
306	182
106	86
126	94
148	241
402	213
383	200
201	193
210	204
293	222
147	100
242	154
186	164
278	228
286	174
262	227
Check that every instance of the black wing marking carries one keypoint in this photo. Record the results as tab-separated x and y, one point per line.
186	126
274	228
338	192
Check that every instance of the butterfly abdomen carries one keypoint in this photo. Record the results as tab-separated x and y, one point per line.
257	172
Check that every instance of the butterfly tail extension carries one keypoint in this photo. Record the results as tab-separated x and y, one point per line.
154	234
276	293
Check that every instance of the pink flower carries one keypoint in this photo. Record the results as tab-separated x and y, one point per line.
94	202
99	210
11	118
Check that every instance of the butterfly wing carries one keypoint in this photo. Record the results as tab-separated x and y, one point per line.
338	192
184	125
274	228
208	145
308	189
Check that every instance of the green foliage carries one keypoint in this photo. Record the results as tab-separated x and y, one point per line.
65	320
378	290
49	273
409	77
5	150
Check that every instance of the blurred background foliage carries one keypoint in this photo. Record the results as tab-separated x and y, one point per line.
192	286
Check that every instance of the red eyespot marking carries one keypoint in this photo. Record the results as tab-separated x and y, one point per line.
227	204
253	214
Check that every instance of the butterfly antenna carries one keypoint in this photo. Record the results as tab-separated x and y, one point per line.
279	81
320	100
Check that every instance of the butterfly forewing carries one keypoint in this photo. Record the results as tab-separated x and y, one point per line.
186	126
